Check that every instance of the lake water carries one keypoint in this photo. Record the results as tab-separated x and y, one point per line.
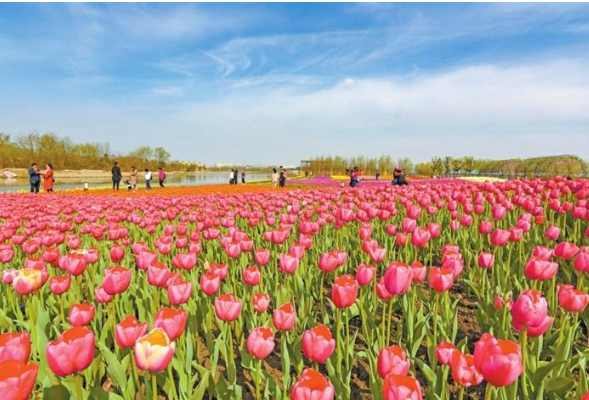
196	179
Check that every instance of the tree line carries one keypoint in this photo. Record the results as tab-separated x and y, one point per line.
566	165
63	153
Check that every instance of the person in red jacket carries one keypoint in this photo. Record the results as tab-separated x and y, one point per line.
48	178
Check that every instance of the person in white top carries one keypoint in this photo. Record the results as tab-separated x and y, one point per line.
231	177
274	177
147	178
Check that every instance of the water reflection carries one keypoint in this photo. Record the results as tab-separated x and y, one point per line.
197	179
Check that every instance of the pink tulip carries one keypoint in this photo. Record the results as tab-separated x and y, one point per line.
565	250
318	344
101	296
81	314
420	237
158	274
392	360
540	270
74	264
486	260
171	321
260	342
464	371
552	232
179	291
499	361
128	331
500	237
262	256
284	317
17	379
582	260
398	278
485	227
530	312
441	279
185	261
401	387
116	280
117	253
571	299
288	264
59	284
344	291
444	351
71	352
27	281
15	346
251	275
261	301
381	290
542	253
210	283
328	262
365	274
227	307
312	385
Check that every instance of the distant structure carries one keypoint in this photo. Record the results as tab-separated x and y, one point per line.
563	165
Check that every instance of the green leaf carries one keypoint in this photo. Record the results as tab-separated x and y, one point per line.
559	385
115	368
429	373
56	392
542	372
100	394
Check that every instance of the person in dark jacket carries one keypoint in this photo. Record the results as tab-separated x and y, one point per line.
242	176
117	176
34	178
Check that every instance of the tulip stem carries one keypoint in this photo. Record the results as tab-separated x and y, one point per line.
461	393
154	386
172	382
489	392
79	392
523	344
257	378
135	374
435	318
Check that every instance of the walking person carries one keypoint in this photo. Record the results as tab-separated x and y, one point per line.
377	175
161	176
242	176
235	176
48	178
282	177
34	178
231	177
133	177
148	177
354	177
117	176
274	177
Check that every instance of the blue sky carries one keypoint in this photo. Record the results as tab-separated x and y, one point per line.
276	83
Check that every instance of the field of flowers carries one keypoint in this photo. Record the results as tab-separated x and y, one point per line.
444	289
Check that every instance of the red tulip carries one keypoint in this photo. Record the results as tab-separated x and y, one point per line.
260	342
17	379
285	317
227	307
171	321
401	387
71	352
499	361
318	344
128	331
392	360
116	280
312	385
463	370
344	291
15	346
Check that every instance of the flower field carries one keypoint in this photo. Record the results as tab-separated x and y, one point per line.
443	289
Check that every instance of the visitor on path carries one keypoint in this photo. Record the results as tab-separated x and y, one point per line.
377	175
128	183
235	176
231	177
282	177
133	177
242	176
147	178
399	177
116	176
274	177
34	178
354	177
48	178
161	176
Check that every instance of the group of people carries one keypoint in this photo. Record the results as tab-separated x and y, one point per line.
279	177
399	178
131	181
234	177
35	175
